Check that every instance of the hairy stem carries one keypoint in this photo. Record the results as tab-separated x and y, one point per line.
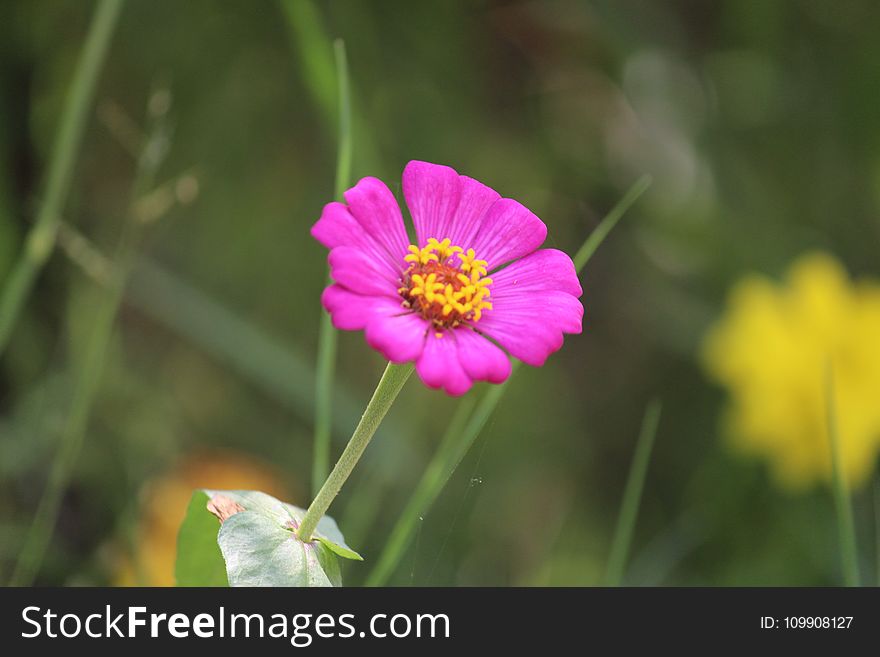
386	392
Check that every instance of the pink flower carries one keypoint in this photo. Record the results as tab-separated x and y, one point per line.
448	301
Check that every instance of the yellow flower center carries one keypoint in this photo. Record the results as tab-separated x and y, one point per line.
445	284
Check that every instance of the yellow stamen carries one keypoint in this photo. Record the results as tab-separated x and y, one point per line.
445	283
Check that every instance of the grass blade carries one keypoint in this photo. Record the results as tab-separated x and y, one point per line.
447	458
89	377
327	337
849	559
452	451
629	508
309	39
582	257
344	150
279	370
40	241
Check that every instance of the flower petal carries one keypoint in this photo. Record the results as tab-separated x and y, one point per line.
432	192
376	210
531	326
481	359
476	199
508	231
356	270
547	269
439	367
400	338
338	227
352	312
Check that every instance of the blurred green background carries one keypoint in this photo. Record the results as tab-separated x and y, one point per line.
759	122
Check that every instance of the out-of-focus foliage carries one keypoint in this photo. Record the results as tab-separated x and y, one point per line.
757	120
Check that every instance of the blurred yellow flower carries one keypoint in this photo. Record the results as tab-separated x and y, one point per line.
164	502
772	349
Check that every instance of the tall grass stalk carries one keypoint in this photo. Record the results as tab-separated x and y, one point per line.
846	531
444	463
632	496
309	39
88	379
40	240
589	247
277	369
327	336
456	444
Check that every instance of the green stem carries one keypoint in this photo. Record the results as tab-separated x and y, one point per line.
842	503
629	508
89	378
457	443
40	241
327	336
386	392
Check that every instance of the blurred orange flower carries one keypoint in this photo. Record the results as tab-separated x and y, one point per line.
164	502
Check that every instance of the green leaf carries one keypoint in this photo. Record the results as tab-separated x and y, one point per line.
258	542
327	532
260	553
199	560
329	563
291	516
